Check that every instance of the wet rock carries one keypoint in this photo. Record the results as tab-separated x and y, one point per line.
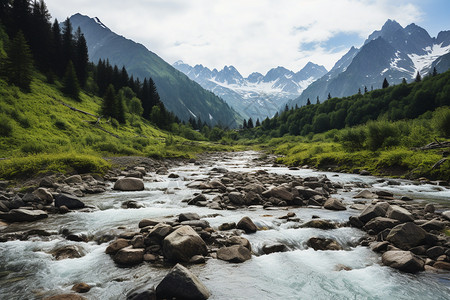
379	224
403	260
133	204
182	244
74	179
81	287
227	226
446	214
429	208
216	184
399	213
23	215
3	206
173	175
138	241
197	199
384	194
320	224
255	188
239	240
272	248
162	171
149	257
129	184
188	216
435	252
66	297
69	201
279	193
196	223
355	222
30	197
407	235
180	283
63	209
379	246
307	193
370	212
318	243
69	251
149	222
236	198
366	194
197	259
129	256
443	265
160	231
433	225
247	225
115	246
44	195
334	204
235	254
406	198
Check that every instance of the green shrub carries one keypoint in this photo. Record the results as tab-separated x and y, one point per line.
61	125
441	121
381	134
6	128
352	139
33	147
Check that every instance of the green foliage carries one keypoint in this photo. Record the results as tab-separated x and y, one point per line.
71	86
381	135
19	64
352	139
441	121
6	128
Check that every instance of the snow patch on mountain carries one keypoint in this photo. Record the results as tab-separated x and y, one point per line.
423	62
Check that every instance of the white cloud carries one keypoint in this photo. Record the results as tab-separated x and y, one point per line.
252	35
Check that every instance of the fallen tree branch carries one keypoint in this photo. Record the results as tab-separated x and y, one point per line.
438	163
434	145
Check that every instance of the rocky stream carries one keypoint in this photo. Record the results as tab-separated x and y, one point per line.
224	226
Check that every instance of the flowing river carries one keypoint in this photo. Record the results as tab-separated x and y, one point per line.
28	271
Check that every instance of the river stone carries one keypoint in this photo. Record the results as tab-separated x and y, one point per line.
446	214
443	265
160	231
129	256
255	188
180	283
23	215
44	195
429	208
307	193
149	222
69	201
434	224
66	297
272	248
435	252
334	204
407	235
320	224
236	198
279	193
196	223
216	184
129	184
399	213
30	197
379	224
81	287
366	194
182	244
318	243
69	251
239	240
247	225
403	260
116	246
235	254
46	182
371	212
74	179
188	216
227	226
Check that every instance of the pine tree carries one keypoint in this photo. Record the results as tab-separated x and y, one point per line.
286	108
418	77
56	50
81	57
154	96
67	42
317	100
404	80
40	39
435	73
308	102
109	106
296	106
250	123
244	124
385	83
365	89
329	96
359	91
19	63
71	87
257	124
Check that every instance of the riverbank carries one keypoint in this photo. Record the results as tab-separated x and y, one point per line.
299	243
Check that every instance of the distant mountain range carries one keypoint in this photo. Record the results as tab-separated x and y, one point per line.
179	94
257	96
393	53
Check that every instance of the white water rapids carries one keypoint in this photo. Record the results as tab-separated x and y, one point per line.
27	271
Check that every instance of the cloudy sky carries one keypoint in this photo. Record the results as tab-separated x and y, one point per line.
254	35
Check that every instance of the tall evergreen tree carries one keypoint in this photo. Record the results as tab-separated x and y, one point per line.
435	73
40	39
385	83
67	42
329	96
244	124
20	18
154	96
81	57
19	63
250	123
418	77
365	89
308	102
71	87
317	100
257	124
404	80
56	50
109	106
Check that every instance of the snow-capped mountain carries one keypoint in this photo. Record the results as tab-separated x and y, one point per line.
393	53
257	96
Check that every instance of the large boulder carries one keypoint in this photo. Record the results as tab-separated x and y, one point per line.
235	254
180	283
279	192
44	195
116	245
129	256
334	204
372	211
182	244
318	243
399	213
236	198
403	260
379	224
69	251
71	202
407	235
129	184
23	215
247	225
